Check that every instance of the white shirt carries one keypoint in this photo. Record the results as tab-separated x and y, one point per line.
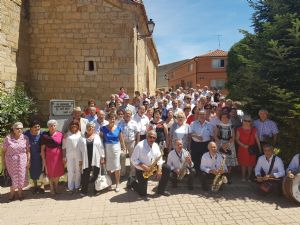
204	130
70	144
145	154
294	165
143	122
175	160
176	111
130	130
209	162
264	164
181	132
100	125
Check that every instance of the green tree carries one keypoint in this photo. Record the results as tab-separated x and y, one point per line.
264	68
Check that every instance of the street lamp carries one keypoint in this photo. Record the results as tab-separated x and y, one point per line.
151	26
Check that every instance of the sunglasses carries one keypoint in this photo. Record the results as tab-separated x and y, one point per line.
248	121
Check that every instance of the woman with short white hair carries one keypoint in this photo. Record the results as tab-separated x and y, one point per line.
16	155
52	155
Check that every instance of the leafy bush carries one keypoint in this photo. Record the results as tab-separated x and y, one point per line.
14	106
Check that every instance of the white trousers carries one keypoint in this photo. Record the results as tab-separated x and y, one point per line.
74	175
130	147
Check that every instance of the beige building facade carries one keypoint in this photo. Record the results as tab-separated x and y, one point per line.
79	49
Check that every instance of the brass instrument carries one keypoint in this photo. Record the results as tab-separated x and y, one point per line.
218	180
153	167
183	170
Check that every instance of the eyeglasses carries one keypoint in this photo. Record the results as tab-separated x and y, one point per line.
19	128
151	137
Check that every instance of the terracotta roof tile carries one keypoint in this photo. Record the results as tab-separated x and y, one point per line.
217	52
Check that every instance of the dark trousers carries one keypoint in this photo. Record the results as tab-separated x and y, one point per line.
197	150
85	177
207	180
140	186
190	178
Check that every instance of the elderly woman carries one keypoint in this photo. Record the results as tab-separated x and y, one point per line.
16	156
91	156
179	130
170	119
52	155
71	156
246	135
34	135
112	137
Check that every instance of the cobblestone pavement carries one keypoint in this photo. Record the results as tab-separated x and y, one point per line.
236	204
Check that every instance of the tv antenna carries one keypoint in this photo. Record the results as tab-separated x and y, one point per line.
219	40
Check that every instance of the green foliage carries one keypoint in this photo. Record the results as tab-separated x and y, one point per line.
14	106
264	68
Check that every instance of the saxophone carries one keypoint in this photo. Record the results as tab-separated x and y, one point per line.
153	167
183	170
218	180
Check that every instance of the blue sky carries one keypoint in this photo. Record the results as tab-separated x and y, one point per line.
186	28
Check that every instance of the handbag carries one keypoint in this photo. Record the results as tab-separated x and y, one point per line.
267	186
252	149
5	179
103	181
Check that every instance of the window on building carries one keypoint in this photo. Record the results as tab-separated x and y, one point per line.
189	84
177	86
217	84
218	63
190	67
91	65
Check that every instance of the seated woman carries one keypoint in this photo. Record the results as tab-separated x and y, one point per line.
269	171
212	164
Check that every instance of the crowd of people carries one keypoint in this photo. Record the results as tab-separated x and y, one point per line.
177	136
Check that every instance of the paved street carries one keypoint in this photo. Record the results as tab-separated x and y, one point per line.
237	204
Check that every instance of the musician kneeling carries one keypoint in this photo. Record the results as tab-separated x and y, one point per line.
181	165
147	159
213	169
269	171
294	166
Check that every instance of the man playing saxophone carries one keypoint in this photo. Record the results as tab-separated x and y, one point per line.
212	165
145	154
181	165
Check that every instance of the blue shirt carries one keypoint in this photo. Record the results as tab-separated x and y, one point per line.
111	137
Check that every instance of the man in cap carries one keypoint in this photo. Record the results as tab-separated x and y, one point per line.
126	105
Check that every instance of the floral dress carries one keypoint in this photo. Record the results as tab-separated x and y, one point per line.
16	160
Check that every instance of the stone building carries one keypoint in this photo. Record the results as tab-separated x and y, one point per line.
207	70
76	49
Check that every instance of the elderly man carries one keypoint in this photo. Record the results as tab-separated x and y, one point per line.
131	138
266	128
92	117
142	121
181	165
145	157
201	134
126	104
176	109
101	121
76	115
212	164
269	171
